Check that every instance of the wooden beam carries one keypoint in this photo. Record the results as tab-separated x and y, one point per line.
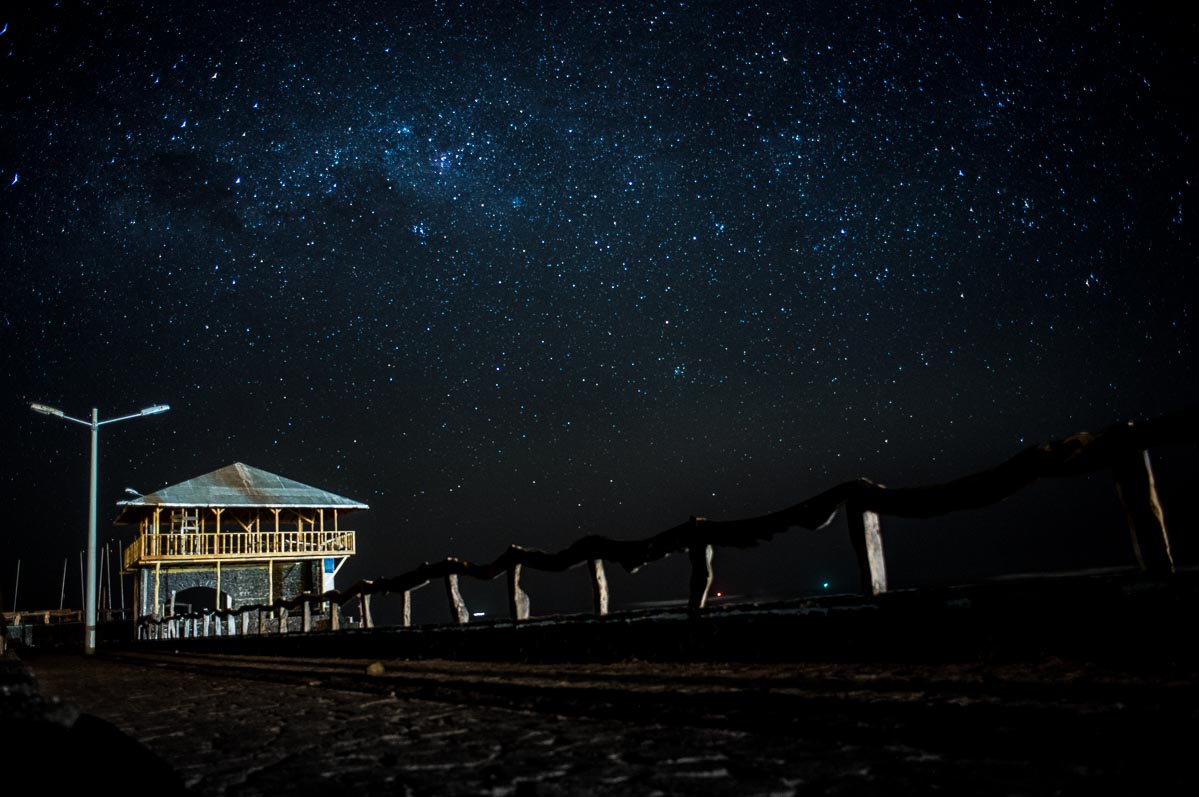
867	541
599	585
701	576
518	599
458	610
306	626
282	619
1146	521
364	608
334	616
406	608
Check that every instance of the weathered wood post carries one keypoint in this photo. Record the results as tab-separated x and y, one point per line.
1146	521
334	616
206	620
867	540
364	608
245	622
599	585
458	608
701	576
406	608
282	619
306	625
518	599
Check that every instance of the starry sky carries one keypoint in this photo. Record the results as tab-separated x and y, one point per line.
516	272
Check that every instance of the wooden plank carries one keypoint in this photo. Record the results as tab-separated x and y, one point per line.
406	607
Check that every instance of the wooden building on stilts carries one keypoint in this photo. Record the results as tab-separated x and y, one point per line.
249	536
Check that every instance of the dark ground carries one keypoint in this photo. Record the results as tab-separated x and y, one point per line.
1101	698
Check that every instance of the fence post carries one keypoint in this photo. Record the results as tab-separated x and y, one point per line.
306	626
334	616
457	607
245	622
406	608
599	585
518	599
206	616
364	604
260	621
867	542
282	619
1146	521
701	576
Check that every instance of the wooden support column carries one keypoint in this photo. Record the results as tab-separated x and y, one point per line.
1142	508
458	610
406	608
599	585
270	581
245	622
518	599
282	620
334	616
206	621
218	585
701	576
259	610
306	626
364	608
157	587
867	540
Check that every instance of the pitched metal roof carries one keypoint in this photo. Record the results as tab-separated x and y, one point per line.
237	485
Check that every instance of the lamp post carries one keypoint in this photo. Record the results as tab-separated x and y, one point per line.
89	601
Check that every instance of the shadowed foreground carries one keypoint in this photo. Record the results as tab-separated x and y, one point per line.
259	725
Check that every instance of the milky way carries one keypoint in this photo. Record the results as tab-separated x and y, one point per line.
516	272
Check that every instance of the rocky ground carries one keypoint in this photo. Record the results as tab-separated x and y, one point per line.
232	725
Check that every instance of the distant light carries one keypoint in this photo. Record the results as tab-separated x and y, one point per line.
825	585
720	594
477	614
44	410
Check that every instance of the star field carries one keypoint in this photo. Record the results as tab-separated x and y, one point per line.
516	272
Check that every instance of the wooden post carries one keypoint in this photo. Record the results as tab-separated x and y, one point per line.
282	619
364	606
867	540
518	599
458	609
701	576
334	616
1146	521
245	622
406	608
306	626
206	616
259	610
599	585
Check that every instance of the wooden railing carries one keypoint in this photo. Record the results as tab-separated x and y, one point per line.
1123	449
243	545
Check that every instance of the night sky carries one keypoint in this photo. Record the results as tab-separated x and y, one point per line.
516	272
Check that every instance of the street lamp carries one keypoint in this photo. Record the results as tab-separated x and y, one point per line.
89	630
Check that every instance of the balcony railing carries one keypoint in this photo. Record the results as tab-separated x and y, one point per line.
149	548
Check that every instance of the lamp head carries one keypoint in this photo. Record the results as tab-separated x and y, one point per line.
45	410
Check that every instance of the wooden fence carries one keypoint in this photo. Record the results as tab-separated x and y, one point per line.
1123	449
